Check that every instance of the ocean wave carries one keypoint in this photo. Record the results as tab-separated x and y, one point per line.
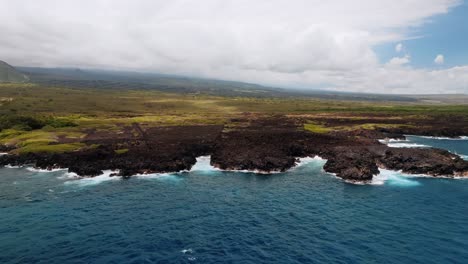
69	176
87	181
44	170
13	166
187	251
161	176
395	178
392	140
307	160
203	164
442	138
254	171
407	145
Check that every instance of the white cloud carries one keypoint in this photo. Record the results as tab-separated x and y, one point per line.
399	60
399	48
439	59
301	43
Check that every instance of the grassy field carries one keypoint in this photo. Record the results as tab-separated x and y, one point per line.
33	117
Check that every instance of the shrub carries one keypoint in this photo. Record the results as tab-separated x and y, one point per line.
28	123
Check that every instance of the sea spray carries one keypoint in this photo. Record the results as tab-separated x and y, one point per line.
13	166
160	176
87	181
401	143
203	164
407	145
441	138
32	169
395	178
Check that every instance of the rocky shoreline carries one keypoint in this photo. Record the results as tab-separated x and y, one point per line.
265	145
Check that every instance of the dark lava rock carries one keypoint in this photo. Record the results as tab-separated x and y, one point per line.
264	144
85	170
267	145
435	162
352	164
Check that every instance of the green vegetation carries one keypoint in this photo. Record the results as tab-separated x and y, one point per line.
322	129
317	128
30	100
372	126
40	140
37	118
32	122
121	151
56	148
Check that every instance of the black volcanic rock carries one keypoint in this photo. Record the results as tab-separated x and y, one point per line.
85	170
352	164
267	145
435	162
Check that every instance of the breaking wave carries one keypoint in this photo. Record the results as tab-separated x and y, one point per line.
203	164
401	143
87	181
159	176
307	160
443	138
395	178
407	145
13	167
44	170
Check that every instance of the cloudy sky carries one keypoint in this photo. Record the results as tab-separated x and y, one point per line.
384	46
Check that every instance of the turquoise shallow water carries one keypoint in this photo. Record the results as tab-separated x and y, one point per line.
206	216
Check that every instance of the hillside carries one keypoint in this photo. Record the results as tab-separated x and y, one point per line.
8	74
122	80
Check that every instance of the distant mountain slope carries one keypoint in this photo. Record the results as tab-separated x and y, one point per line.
8	74
102	79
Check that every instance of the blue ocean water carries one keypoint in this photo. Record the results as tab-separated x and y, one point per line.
208	216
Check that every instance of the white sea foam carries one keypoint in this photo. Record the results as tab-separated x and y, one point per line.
69	176
392	140
43	170
397	143
396	178
407	145
12	167
160	176
442	138
203	164
307	160
87	181
187	251
254	171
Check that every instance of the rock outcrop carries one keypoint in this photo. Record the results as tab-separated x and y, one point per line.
266	145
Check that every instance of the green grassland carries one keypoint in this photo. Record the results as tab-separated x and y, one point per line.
34	117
